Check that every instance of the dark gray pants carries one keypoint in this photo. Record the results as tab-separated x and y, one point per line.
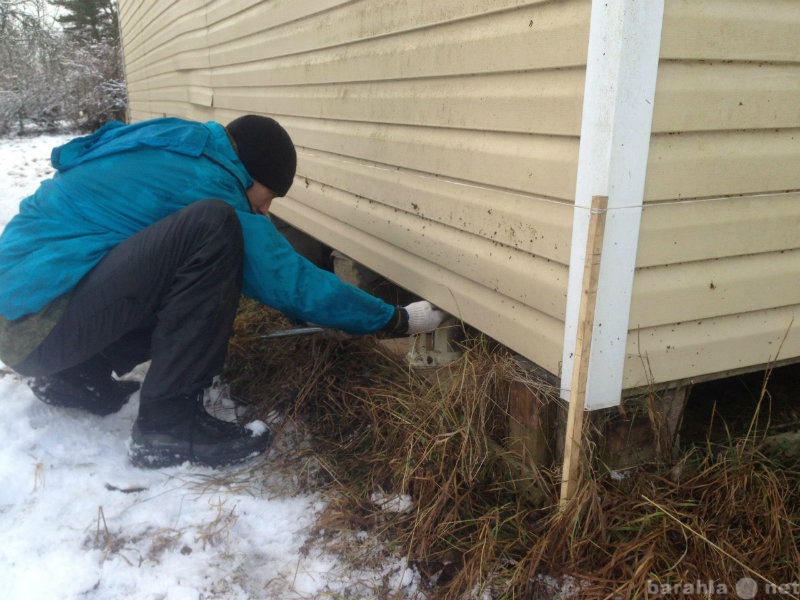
168	293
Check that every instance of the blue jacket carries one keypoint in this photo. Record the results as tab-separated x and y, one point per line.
122	178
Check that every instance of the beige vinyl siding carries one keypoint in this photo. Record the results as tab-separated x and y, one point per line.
437	141
717	286
438	144
166	59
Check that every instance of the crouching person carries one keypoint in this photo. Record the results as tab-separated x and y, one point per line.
138	249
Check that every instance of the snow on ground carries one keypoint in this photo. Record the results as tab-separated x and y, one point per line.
78	521
24	162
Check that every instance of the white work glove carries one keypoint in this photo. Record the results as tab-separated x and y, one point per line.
423	316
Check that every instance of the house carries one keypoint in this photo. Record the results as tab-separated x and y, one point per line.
455	146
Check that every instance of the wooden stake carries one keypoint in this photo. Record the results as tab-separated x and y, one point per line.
583	346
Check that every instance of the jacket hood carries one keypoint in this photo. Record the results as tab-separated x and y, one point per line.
171	134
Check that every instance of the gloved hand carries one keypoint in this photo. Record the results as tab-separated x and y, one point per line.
423	316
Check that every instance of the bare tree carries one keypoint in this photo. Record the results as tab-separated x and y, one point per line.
30	69
93	84
52	78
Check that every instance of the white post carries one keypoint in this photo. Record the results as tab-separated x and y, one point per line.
624	43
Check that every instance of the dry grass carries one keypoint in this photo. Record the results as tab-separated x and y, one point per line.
481	524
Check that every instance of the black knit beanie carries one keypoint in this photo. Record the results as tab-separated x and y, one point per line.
266	151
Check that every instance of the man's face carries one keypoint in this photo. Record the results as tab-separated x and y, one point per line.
260	198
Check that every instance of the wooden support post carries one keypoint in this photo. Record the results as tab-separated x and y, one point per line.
577	398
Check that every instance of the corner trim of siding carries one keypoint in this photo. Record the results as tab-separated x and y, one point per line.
622	65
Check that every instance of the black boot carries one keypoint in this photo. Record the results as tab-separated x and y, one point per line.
89	386
197	437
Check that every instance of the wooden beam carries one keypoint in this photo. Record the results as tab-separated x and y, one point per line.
577	403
